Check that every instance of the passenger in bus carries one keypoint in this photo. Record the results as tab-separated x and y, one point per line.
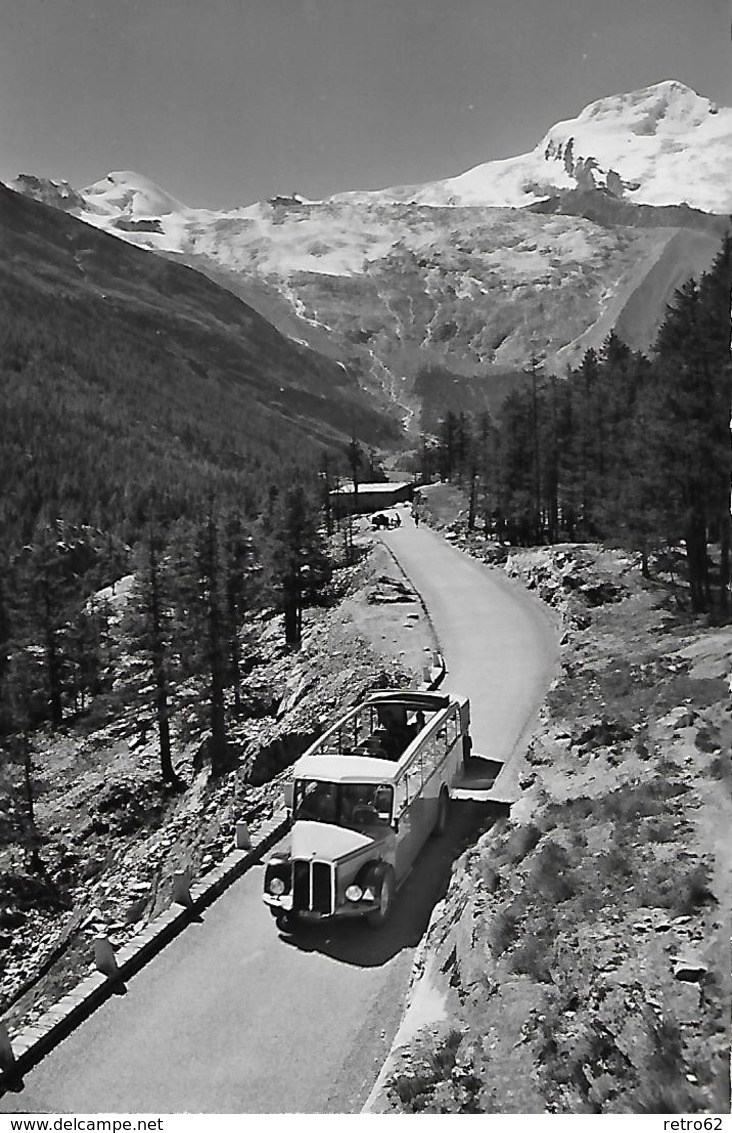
375	745
397	733
363	804
320	804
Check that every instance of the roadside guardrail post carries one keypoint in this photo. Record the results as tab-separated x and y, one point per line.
243	837
182	888
7	1058
105	960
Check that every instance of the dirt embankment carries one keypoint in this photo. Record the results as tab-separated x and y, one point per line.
582	952
112	836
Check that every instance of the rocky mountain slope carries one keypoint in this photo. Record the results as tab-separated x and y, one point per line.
546	252
580	960
205	347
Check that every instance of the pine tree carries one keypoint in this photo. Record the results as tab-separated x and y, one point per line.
687	385
149	622
238	572
295	552
715	295
354	455
213	598
48	593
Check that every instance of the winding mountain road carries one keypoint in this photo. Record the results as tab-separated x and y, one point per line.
232	1017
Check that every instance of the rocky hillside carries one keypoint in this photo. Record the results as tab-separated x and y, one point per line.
581	955
112	834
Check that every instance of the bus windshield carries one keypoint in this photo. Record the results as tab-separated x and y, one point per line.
355	805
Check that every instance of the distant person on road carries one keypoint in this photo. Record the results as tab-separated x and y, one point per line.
415	517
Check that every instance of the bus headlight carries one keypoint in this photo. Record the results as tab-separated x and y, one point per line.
354	893
277	887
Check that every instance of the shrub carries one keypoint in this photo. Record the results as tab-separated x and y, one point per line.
502	931
491	877
552	874
531	958
414	1090
411	1088
721	768
693	890
521	841
659	828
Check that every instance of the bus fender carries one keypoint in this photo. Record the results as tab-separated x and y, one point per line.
380	876
372	874
274	865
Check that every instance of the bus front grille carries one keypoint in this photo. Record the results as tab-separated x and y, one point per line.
312	886
321	887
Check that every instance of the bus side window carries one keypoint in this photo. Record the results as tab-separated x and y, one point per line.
453	730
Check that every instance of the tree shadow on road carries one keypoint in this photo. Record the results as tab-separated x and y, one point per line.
352	941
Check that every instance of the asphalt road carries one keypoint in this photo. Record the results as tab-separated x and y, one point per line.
234	1018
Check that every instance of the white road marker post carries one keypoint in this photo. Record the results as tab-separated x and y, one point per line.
7	1058
182	888
105	960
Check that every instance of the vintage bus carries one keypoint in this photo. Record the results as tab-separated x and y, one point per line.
364	799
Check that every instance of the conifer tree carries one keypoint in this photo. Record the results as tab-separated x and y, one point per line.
149	622
294	548
689	381
238	571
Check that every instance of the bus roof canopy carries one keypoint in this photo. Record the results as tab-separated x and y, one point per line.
345	769
427	701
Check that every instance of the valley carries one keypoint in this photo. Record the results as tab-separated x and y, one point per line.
540	346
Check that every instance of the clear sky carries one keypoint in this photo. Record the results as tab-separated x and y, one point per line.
224	102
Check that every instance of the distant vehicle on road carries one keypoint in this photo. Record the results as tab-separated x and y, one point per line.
364	799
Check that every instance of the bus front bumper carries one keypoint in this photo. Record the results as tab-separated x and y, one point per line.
349	909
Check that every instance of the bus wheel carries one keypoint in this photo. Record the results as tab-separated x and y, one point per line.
285	921
443	809
386	900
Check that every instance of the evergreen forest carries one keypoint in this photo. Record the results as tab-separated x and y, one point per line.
155	427
630	449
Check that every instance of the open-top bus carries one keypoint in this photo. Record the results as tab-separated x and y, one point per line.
364	799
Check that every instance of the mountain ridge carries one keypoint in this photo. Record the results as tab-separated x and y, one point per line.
127	378
653	146
388	286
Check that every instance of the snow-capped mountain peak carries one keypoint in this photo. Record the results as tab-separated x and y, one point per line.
668	107
129	194
522	255
661	145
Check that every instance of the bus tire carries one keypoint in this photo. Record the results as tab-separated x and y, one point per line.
386	900
285	921
443	811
